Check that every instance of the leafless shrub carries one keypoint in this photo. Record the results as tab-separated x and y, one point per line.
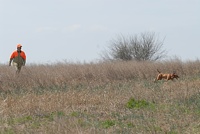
146	47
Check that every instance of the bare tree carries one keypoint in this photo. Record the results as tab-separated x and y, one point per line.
140	48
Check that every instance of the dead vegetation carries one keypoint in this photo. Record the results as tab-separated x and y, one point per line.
93	98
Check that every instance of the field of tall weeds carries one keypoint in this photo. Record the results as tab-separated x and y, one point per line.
104	97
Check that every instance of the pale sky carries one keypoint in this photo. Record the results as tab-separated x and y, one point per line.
79	30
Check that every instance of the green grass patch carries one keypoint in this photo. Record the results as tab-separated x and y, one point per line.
75	114
132	103
108	123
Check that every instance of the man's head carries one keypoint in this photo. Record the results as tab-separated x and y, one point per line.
19	46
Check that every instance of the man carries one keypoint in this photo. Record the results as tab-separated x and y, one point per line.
19	58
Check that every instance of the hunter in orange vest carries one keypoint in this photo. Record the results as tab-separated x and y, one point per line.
19	58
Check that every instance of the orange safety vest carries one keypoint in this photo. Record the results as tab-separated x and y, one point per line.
15	54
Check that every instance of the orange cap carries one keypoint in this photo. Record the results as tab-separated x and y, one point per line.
19	45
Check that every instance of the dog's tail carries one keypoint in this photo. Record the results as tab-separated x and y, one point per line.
158	71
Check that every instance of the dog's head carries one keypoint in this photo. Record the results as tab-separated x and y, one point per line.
174	75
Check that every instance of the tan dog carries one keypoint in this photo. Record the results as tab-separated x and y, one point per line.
161	76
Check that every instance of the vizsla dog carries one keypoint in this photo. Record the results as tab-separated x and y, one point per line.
161	76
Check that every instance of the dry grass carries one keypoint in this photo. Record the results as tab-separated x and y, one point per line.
93	98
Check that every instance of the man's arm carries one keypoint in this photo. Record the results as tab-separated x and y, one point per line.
24	58
24	62
11	58
10	61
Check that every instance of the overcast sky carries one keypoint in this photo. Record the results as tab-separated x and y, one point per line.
79	30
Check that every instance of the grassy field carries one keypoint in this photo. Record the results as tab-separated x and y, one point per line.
100	98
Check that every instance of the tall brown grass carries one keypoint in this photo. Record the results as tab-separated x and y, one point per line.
92	98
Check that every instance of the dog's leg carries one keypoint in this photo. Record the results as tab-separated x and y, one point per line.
156	79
